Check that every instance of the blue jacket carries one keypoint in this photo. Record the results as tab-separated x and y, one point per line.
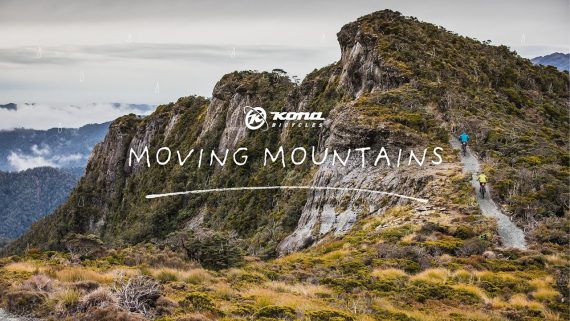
464	138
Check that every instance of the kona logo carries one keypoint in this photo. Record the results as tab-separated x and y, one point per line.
297	116
256	117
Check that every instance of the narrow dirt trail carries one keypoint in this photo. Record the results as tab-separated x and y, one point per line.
5	316
511	235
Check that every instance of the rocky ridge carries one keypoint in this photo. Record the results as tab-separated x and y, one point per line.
379	95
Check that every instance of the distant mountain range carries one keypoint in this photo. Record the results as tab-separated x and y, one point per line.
559	60
38	170
9	106
21	149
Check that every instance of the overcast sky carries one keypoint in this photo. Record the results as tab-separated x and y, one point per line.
68	51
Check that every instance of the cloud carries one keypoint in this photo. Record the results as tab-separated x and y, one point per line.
43	116
41	157
40	151
69	55
22	162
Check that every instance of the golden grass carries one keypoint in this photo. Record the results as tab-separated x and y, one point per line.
75	274
462	276
307	290
487	275
22	267
68	297
390	273
223	290
541	283
236	275
520	301
551	316
264	297
437	314
556	259
335	255
545	294
473	290
193	276
438	275
198	276
291	258
497	303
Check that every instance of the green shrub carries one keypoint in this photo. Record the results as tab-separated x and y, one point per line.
166	277
214	250
421	291
277	312
243	310
24	302
328	315
198	301
385	315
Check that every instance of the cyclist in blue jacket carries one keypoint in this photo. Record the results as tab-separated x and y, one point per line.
464	138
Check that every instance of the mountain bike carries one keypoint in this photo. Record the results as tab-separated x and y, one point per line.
464	148
482	189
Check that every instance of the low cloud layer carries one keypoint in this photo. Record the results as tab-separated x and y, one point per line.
65	51
42	116
68	55
40	156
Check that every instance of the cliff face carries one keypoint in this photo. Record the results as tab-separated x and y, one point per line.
400	84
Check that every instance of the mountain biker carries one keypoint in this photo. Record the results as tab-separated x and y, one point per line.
464	138
482	178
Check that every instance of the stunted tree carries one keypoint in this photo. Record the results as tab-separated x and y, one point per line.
213	249
279	71
82	246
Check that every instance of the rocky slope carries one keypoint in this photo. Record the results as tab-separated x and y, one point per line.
400	83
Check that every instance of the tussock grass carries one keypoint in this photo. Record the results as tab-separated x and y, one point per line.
224	290
541	283
473	290
390	273
193	276
306	290
198	276
265	297
67	298
556	259
438	275
520	301
497	303
463	276
76	274
334	256
21	267
436	314
545	294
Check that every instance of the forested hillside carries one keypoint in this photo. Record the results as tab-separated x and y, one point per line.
31	194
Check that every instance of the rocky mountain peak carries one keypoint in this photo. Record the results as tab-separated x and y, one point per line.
400	84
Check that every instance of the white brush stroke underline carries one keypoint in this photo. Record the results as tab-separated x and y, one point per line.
255	188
